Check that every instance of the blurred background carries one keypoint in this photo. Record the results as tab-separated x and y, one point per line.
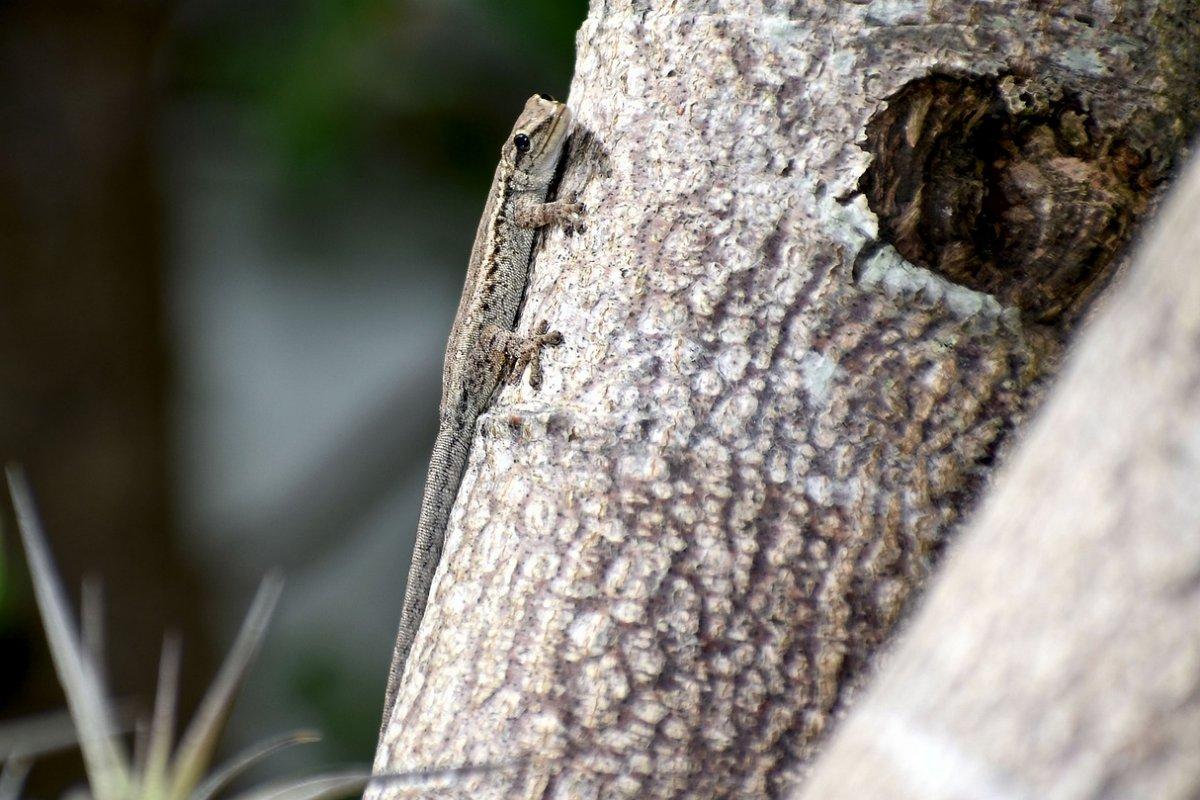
232	238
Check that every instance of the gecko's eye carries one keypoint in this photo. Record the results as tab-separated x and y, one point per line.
521	141
545	96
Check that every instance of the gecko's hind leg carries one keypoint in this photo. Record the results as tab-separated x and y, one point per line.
509	353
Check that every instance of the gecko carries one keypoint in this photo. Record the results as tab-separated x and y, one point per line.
484	351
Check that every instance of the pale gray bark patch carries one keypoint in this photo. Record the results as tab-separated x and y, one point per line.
666	572
1057	657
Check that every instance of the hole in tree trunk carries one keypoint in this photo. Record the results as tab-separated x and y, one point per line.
1003	185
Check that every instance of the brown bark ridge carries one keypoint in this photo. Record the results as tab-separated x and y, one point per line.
833	251
1058	654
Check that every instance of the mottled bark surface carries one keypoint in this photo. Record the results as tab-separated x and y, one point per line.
666	572
1059	655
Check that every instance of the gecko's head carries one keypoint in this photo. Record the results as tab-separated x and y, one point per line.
536	141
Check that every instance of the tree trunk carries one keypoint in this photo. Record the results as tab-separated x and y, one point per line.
833	253
1059	655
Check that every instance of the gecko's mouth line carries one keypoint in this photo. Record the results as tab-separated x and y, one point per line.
558	133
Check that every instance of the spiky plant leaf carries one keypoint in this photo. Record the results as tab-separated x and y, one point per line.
91	625
12	777
331	785
197	745
33	736
155	775
94	719
153	779
141	744
320	787
248	758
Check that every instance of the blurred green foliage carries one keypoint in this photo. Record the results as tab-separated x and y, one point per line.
321	679
328	83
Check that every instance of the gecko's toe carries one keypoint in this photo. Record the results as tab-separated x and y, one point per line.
545	337
571	215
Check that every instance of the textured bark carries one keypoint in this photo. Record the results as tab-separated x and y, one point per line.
665	573
1058	656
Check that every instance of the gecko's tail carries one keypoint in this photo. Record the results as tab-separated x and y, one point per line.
446	468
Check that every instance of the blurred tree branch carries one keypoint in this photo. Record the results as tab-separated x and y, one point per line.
83	372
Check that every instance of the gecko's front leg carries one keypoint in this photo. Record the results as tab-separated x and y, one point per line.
506	352
529	212
509	353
